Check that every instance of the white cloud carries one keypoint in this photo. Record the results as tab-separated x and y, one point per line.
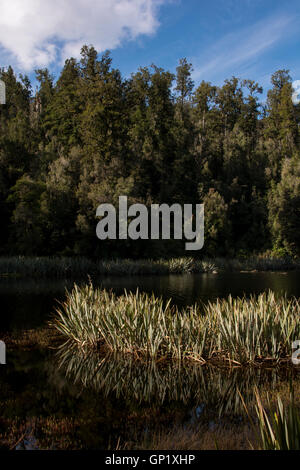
35	33
238	49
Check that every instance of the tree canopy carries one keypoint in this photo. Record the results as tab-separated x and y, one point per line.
91	136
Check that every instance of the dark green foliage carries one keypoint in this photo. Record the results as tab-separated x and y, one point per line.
92	136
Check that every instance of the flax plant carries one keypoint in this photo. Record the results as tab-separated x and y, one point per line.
240	330
132	323
280	431
255	328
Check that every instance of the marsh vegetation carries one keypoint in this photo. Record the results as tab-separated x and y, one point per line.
241	330
80	267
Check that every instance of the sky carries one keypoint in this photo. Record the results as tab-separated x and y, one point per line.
221	38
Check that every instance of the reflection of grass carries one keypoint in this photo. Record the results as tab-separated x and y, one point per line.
128	403
78	267
239	330
160	383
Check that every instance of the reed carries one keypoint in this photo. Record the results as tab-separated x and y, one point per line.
46	267
239	330
80	267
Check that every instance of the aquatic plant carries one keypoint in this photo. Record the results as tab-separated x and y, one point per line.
132	323
255	328
242	330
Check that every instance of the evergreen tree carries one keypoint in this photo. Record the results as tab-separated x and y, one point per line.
92	136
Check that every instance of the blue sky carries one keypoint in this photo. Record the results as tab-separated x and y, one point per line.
248	39
245	38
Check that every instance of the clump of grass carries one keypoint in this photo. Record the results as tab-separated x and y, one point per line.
281	430
240	330
121	267
190	265
256	263
255	328
133	323
181	265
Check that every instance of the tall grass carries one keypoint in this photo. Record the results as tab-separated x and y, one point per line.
133	323
79	267
248	330
281	430
240	330
44	267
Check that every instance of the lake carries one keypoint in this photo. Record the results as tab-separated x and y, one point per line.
29	303
70	400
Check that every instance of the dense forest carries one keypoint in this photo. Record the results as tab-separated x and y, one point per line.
91	135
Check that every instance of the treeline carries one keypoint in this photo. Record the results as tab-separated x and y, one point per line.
92	136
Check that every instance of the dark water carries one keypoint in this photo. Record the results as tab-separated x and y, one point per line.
123	401
83	401
28	304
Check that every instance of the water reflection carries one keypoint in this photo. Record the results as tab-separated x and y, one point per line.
201	387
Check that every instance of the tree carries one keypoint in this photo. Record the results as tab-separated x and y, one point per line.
217	224
92	136
28	218
284	207
184	82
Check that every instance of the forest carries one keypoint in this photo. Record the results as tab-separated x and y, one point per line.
91	135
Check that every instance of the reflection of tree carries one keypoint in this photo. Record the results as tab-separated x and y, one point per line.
191	384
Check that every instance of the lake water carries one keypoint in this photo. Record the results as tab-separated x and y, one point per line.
28	304
82	401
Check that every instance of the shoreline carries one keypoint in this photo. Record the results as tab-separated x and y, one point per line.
47	339
78	267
